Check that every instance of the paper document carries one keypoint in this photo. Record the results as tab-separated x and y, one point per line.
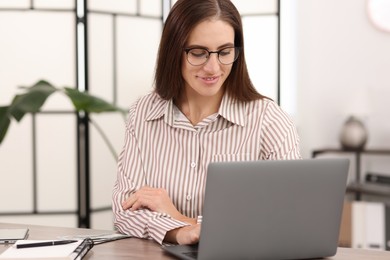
99	238
74	250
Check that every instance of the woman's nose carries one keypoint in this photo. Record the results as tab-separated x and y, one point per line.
212	63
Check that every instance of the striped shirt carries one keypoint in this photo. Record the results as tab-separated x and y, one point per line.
163	149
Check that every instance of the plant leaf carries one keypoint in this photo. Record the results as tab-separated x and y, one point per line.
32	100
4	122
83	101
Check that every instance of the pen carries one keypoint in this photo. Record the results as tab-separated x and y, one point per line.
49	243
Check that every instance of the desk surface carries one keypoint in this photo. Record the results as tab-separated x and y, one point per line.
133	248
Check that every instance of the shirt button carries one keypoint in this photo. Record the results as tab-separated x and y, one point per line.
193	165
189	197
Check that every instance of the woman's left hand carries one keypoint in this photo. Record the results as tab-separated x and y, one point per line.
155	199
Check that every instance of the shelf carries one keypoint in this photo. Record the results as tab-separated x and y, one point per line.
337	150
382	190
358	187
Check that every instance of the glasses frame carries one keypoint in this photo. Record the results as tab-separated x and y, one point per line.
236	52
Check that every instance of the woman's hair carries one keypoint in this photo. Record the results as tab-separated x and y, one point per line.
182	19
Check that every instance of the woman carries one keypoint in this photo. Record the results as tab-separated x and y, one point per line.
204	108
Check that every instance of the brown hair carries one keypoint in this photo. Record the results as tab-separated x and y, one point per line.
183	17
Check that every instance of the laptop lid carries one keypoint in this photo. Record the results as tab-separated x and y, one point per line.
288	209
11	235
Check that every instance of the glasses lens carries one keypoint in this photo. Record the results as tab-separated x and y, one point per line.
228	55
197	56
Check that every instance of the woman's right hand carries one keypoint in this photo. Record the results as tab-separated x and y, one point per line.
187	235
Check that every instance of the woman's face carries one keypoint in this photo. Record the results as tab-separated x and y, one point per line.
206	80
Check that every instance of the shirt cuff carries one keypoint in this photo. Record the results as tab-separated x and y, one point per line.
159	227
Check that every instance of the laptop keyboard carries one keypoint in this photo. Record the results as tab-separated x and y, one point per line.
192	254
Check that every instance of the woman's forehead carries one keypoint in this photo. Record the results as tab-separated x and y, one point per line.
211	33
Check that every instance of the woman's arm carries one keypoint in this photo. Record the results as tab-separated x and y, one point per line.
280	139
141	222
143	211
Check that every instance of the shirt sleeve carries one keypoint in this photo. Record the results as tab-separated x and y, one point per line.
142	223
280	138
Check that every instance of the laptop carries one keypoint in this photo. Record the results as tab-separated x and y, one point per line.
11	235
286	209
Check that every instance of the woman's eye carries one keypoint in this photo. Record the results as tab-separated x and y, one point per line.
198	53
225	52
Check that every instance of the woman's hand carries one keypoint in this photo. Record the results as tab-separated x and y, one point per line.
187	235
155	199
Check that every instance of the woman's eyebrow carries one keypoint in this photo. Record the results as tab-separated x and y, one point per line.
226	45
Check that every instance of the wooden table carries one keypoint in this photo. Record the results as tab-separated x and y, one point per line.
133	248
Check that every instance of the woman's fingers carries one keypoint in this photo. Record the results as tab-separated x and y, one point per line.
155	199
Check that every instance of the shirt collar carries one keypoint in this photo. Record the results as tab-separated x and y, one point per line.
160	108
230	109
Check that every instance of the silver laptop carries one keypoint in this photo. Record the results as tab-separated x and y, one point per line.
288	209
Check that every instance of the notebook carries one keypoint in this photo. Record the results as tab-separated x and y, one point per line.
72	251
273	210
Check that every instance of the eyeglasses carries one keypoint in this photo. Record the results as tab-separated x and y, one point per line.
199	56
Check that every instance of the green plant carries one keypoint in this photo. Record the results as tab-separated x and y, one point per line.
35	96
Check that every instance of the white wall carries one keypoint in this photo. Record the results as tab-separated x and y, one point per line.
343	68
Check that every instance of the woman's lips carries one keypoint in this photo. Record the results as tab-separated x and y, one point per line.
210	80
